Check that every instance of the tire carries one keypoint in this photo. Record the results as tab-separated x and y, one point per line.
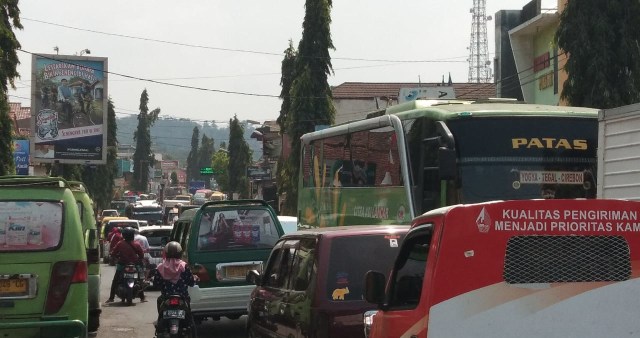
129	295
94	323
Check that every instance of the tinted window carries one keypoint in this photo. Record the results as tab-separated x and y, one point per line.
155	237
239	229
30	226
303	268
369	252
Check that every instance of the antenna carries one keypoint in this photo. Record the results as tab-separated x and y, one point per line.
479	64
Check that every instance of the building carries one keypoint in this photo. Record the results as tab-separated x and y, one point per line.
353	100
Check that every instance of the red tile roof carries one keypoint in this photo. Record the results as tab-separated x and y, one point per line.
361	90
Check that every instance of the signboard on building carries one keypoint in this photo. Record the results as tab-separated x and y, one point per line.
428	93
69	109
21	156
258	173
169	165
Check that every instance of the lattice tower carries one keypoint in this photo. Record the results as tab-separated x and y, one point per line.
479	64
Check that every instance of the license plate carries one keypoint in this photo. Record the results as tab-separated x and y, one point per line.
173	314
14	287
236	271
129	275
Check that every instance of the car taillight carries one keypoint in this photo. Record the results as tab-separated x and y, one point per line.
63	275
201	272
175	301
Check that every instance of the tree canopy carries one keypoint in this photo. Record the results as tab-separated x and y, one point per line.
600	42
192	159
143	158
239	159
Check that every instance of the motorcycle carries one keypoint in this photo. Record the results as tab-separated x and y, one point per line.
175	319
131	283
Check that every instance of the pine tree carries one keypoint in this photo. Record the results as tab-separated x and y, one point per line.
10	14
239	159
192	159
143	158
99	181
311	100
600	41
205	153
220	165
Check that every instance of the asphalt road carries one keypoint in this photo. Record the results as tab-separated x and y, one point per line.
121	321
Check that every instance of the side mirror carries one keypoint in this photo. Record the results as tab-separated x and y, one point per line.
253	277
374	283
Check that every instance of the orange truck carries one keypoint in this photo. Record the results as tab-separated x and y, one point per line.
528	268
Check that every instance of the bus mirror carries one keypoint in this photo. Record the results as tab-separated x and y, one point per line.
374	287
447	163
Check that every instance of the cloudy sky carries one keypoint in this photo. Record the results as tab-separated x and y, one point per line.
217	58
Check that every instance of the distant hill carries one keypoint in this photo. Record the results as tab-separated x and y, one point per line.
172	136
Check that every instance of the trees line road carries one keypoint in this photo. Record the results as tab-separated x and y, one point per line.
121	321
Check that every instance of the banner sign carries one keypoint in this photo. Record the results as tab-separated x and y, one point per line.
21	156
169	165
69	104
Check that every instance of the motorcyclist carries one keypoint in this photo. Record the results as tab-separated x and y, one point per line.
173	276
126	252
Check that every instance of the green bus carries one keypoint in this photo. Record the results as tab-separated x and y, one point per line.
420	155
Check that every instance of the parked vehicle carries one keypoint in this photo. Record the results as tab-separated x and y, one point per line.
91	243
313	281
222	241
107	213
174	319
43	262
119	205
528	268
130	284
619	137
103	236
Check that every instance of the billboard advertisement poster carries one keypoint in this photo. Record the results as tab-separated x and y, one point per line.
169	165
21	156
69	104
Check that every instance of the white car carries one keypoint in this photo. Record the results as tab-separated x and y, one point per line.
289	223
158	237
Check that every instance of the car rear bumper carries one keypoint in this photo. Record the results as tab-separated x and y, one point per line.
222	301
73	327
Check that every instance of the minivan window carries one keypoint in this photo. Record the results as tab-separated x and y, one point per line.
238	229
410	269
30	225
80	210
303	268
365	252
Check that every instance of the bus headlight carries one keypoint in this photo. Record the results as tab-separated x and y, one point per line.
368	321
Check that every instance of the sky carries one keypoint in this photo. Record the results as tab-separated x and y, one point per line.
230	52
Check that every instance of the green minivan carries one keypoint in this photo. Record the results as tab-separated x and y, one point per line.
222	241
43	262
92	246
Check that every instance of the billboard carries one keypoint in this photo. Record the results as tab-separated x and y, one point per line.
21	156
69	109
169	165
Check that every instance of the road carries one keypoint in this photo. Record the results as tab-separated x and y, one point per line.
121	321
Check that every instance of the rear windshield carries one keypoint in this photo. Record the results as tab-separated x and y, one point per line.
110	213
366	252
238	229
30	225
157	237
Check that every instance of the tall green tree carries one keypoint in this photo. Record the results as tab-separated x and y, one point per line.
99	181
288	70
10	16
239	159
311	99
601	42
174	178
220	165
143	158
192	159
205	154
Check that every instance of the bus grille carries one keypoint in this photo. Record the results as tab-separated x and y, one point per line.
551	259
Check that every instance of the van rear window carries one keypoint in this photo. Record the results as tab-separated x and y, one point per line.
345	277
30	225
238	229
555	259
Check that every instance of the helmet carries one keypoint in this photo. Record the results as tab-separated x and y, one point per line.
128	233
173	250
